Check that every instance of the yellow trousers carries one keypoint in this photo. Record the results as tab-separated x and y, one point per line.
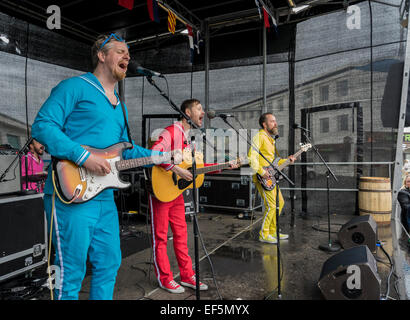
269	215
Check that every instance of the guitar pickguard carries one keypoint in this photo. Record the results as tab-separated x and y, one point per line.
95	183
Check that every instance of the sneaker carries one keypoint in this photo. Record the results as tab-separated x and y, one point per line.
173	287
192	284
281	235
270	239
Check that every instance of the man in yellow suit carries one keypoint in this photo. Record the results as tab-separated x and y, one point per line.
264	142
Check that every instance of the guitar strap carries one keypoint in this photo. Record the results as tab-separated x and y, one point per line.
125	120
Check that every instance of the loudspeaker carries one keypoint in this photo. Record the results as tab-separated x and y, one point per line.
390	106
359	231
334	278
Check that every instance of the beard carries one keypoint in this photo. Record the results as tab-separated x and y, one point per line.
274	131
118	75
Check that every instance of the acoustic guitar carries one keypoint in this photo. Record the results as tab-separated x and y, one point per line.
167	186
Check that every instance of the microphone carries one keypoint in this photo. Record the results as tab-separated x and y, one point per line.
136	69
212	114
296	126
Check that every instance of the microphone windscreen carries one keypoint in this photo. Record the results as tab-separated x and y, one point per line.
211	114
132	68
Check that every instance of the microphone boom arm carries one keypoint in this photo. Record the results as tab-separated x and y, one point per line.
174	106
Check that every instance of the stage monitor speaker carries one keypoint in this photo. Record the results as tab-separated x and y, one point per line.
390	106
12	181
334	276
360	230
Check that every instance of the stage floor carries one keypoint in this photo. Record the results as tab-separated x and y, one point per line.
243	267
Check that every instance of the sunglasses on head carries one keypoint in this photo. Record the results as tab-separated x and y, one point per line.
112	35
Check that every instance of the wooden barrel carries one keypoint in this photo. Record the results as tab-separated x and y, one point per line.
375	198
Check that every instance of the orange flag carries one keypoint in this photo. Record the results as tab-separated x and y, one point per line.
171	22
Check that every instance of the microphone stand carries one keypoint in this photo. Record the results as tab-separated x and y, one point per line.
329	247
195	221
194	189
20	153
174	106
278	175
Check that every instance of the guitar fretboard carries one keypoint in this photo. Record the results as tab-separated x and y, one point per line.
286	163
213	168
134	163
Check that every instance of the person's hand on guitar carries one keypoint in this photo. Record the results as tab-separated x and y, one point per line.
292	158
266	175
97	165
183	173
234	165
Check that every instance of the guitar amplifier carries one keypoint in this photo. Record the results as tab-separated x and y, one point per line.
12	181
233	190
23	235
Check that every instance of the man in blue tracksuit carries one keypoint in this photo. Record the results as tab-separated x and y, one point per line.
86	110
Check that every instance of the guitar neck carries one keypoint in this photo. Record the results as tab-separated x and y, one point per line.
212	168
133	163
287	162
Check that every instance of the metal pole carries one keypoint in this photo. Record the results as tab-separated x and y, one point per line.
264	107
398	164
207	60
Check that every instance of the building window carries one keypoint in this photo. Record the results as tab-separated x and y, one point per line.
342	88
14	141
324	93
280	104
307	98
324	125
343	122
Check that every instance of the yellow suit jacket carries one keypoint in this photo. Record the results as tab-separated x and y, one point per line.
266	145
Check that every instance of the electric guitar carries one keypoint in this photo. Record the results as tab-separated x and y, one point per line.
270	183
74	184
167	185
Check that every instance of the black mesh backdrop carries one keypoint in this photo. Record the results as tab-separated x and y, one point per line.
339	75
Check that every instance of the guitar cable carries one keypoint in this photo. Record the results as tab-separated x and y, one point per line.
76	192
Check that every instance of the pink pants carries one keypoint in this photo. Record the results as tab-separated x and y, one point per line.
164	214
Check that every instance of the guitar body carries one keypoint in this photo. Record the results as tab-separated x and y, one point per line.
268	183
167	186
72	181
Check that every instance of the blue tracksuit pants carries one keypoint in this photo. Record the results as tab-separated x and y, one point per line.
80	230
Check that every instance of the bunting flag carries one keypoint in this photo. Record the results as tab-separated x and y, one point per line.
259	8
266	15
172	21
266	18
153	10
198	41
191	42
129	4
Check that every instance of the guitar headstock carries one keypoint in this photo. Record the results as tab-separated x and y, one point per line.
305	147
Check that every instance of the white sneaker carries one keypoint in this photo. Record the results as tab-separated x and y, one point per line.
281	235
191	283
270	239
173	287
